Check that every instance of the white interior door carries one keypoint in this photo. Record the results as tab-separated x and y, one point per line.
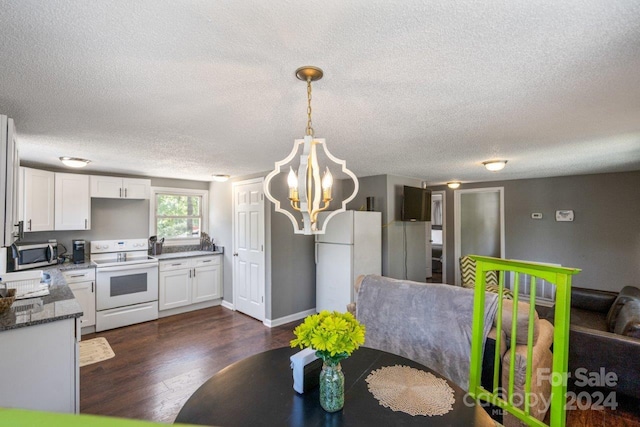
248	244
479	223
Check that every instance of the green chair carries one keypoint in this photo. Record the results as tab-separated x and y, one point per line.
561	278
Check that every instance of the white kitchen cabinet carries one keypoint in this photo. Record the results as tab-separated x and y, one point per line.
38	199
40	367
175	287
207	280
9	177
109	187
72	202
83	285
189	281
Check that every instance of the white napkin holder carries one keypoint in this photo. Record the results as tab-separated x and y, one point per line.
298	363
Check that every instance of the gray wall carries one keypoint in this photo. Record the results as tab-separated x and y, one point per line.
603	240
387	193
290	269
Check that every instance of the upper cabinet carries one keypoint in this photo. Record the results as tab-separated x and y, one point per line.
72	202
38	199
54	201
9	172
109	187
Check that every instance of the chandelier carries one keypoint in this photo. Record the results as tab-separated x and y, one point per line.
308	194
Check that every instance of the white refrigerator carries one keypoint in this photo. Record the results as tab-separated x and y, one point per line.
351	246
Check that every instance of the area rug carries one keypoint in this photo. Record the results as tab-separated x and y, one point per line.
94	351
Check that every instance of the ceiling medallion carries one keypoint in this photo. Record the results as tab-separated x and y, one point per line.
307	193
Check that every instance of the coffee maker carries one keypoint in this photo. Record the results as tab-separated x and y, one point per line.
78	251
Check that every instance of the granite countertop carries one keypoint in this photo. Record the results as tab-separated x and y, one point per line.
189	254
58	305
71	266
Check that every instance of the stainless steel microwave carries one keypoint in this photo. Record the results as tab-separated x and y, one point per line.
25	255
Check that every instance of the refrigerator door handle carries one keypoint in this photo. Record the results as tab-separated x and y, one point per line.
315	255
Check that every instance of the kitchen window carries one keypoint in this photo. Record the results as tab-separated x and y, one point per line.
178	215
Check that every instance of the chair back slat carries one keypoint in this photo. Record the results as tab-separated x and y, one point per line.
558	276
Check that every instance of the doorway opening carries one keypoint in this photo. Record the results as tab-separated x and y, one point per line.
438	241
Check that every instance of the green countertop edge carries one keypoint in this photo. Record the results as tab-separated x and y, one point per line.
27	418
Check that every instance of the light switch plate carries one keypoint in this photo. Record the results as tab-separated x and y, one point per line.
536	215
564	215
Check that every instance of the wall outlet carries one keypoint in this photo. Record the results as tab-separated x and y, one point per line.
536	215
564	215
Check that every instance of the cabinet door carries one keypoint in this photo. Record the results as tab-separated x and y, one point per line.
85	294
38	199
207	283
106	187
175	289
11	196
72	202
136	188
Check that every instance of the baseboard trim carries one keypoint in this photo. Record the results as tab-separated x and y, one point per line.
228	305
287	319
188	308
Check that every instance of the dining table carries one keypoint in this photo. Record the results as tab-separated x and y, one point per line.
258	391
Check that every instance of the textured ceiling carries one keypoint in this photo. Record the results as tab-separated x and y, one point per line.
425	89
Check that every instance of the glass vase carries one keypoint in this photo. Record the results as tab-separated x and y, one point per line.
331	387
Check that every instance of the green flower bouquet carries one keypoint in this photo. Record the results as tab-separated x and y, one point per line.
333	335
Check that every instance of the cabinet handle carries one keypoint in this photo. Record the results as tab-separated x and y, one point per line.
78	275
91	287
189	274
207	260
176	264
125	192
194	272
85	223
121	192
29	225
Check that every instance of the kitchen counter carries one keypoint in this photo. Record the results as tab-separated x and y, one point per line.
71	266
189	254
58	305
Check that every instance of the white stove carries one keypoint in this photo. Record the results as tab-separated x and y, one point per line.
126	283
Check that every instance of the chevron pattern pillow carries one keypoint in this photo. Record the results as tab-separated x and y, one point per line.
468	269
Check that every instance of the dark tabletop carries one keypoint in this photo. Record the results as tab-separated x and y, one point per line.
258	391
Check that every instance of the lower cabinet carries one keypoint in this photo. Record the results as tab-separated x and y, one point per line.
189	281
83	285
40	367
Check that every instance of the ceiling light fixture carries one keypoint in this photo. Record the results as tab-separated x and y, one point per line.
220	178
453	184
308	194
495	165
74	162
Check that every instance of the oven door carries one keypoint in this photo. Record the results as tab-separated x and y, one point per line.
126	285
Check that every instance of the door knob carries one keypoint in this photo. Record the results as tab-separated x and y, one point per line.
235	254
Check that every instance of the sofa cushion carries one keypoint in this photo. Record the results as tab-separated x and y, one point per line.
589	319
628	293
592	299
628	322
522	327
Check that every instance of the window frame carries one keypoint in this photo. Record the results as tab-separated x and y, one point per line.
153	217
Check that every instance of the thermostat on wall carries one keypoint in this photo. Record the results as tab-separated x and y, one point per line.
566	215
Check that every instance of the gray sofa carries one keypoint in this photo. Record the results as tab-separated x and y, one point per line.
605	333
400	324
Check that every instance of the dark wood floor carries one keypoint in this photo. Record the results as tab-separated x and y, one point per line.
159	364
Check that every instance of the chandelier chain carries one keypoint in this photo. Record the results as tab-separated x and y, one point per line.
309	128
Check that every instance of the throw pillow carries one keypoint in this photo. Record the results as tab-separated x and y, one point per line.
628	322
522	325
